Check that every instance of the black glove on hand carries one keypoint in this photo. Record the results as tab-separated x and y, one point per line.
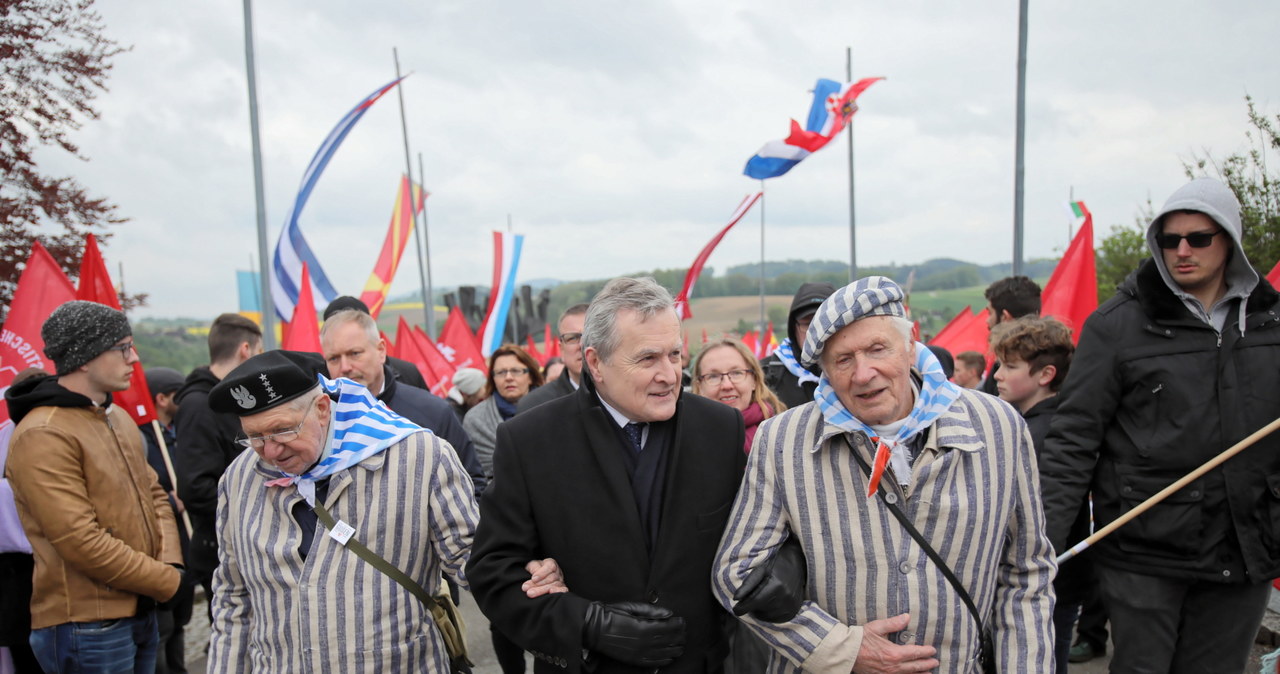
774	591
633	633
171	602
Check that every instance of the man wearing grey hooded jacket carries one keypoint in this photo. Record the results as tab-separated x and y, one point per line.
1178	366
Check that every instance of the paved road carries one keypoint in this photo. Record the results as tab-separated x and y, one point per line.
482	649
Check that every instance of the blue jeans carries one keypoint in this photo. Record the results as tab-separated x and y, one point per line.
122	646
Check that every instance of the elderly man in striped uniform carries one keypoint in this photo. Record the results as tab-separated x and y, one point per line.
958	464
292	596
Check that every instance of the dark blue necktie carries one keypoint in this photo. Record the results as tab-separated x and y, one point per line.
635	432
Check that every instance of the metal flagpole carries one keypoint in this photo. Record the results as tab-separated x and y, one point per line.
264	261
1019	143
853	231
426	253
762	313
408	170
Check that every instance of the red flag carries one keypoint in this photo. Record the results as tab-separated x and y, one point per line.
550	343
391	348
95	286
966	332
458	343
682	300
398	233
749	339
1274	276
1072	291
440	365
304	329
41	288
411	351
532	348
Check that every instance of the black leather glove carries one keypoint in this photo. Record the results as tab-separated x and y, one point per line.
633	633
171	602
774	591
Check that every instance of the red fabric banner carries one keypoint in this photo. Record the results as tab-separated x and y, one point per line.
1072	291
41	288
459	344
411	351
1274	276
95	286
440	365
695	270
304	328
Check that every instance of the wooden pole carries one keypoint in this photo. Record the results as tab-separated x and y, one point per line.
1168	491
168	466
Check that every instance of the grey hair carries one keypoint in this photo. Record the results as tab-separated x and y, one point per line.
641	295
300	403
904	328
365	321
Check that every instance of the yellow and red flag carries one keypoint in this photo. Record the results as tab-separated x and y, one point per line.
398	233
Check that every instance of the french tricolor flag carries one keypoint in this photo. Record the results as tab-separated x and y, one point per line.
506	260
833	106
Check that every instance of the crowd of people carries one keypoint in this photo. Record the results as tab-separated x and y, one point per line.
855	502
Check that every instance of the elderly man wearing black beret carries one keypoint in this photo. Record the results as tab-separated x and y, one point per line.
332	470
99	522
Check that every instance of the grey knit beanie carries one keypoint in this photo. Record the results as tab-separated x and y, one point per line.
78	331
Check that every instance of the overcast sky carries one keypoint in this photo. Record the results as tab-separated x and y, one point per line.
614	133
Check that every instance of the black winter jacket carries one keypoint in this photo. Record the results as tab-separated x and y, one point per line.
1153	393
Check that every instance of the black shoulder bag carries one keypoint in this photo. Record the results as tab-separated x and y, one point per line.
443	611
987	656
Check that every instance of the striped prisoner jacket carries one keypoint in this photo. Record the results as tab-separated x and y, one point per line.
974	494
274	612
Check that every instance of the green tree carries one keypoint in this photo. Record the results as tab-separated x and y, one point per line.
1121	252
1257	189
55	60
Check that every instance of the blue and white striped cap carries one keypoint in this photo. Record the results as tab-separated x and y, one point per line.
870	296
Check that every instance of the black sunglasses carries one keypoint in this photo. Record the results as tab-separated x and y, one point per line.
1196	240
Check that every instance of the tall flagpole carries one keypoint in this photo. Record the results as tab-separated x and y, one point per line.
264	260
762	313
413	211
425	254
853	231
1020	142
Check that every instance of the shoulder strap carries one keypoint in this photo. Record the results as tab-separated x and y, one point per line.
919	539
378	562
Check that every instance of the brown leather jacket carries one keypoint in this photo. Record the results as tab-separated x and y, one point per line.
99	523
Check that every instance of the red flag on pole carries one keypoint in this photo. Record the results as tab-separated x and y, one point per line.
304	328
966	332
398	233
550	343
440	365
95	286
1072	291
41	288
682	300
459	344
532	347
1274	276
411	351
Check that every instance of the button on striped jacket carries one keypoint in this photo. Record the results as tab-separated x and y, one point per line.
974	493
334	612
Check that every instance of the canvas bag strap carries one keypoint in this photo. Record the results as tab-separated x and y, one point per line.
919	539
378	562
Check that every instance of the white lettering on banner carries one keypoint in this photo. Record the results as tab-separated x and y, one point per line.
26	351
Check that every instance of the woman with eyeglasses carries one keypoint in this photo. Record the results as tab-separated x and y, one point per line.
512	374
725	370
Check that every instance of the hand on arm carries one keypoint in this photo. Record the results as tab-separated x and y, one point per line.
774	591
545	577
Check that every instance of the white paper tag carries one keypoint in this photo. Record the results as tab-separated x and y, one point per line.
342	532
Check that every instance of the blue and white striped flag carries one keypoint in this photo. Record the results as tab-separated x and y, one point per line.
292	249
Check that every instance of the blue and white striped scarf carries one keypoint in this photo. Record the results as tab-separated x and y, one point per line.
936	396
787	356
360	426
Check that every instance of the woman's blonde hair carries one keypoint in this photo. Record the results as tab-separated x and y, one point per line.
768	400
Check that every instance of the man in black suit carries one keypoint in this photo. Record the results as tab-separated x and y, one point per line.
627	485
570	327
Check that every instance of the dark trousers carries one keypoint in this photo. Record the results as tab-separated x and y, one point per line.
1092	626
1163	625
